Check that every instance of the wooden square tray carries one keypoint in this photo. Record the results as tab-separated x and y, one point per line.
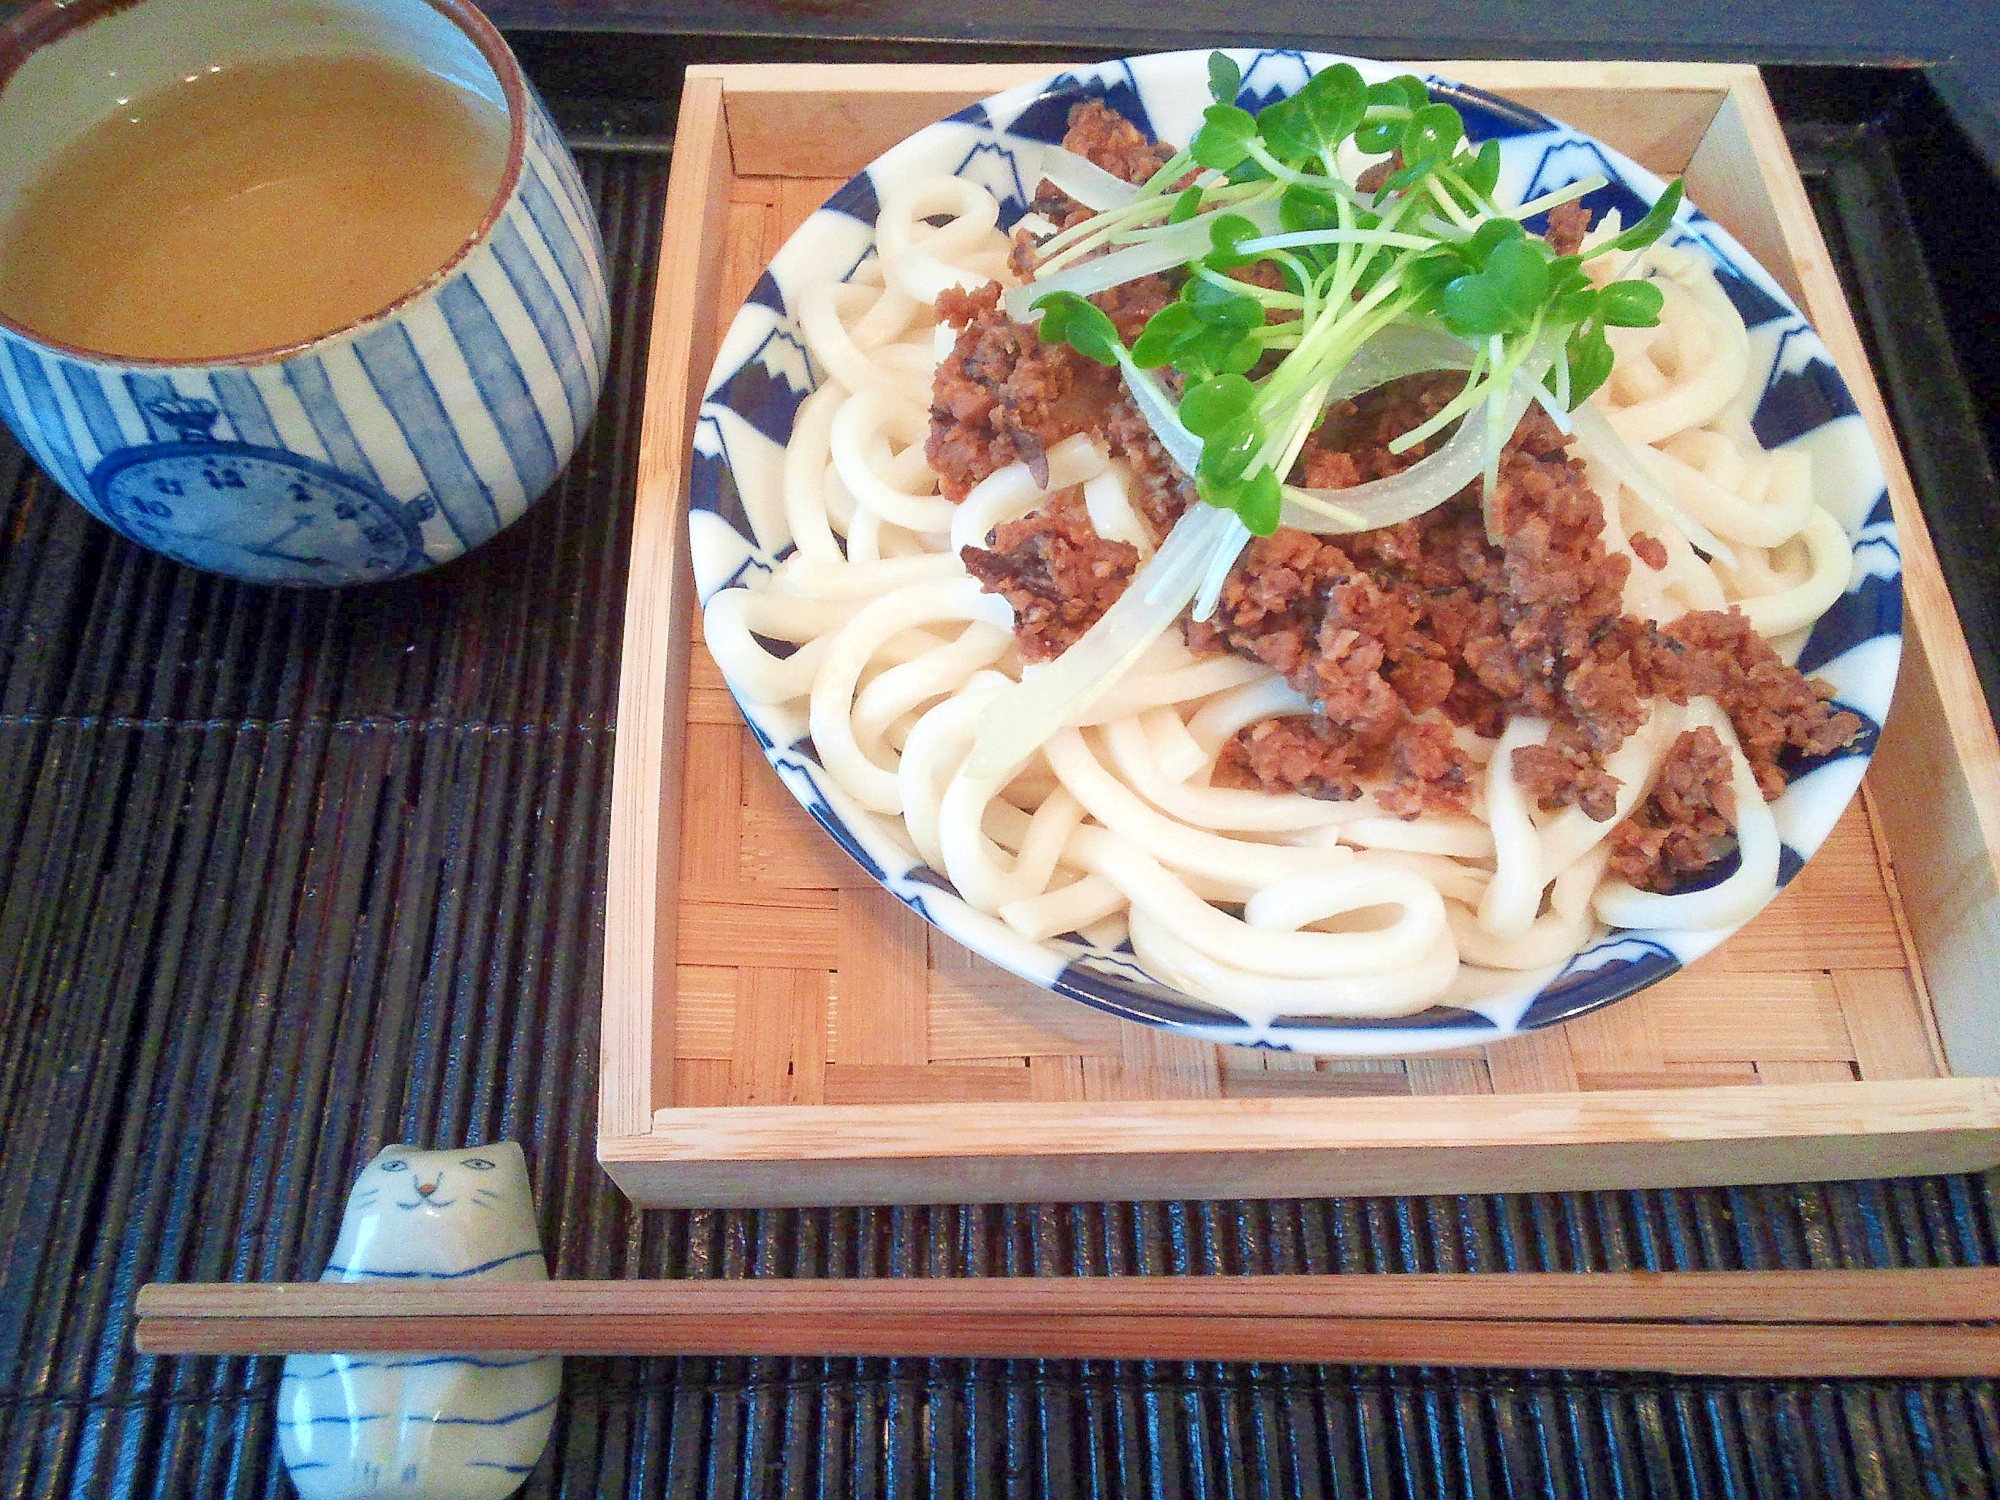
777	1030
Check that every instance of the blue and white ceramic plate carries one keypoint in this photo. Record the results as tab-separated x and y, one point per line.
762	373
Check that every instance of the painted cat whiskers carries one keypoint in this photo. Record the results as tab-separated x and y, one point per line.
462	1427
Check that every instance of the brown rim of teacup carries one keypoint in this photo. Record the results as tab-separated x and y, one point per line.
46	20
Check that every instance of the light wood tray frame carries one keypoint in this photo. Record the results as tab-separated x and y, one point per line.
777	1030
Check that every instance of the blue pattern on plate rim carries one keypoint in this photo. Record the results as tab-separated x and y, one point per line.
998	141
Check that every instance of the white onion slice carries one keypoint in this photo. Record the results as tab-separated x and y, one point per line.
1085	181
1546	400
1018	721
1421	487
1597	437
1295	238
1398	350
1182	446
1172	248
1164	250
1228	547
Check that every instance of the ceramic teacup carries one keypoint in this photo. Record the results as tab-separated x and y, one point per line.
387	447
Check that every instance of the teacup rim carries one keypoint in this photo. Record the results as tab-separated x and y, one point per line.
45	21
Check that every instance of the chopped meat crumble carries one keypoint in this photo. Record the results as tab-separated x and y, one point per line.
1055	570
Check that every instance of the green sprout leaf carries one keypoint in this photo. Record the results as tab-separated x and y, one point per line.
1489	237
1473	308
1432	272
1211	406
1405	91
1240	357
1650	228
1630	304
1224	77
1403	96
1186	206
1378	136
1236	312
1411	175
1225	233
1258	503
1519	269
1282	125
1163	335
1226	452
1503	296
1573	305
1224	138
1313	122
1204	333
1432	134
1306	208
1205	295
1589	364
1256	500
1068	319
1481	173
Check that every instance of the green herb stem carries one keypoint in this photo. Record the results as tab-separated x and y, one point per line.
1555	199
1441	195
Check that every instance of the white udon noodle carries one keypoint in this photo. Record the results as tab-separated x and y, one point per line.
1260	904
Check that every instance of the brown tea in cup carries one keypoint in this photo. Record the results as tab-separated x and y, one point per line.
251	206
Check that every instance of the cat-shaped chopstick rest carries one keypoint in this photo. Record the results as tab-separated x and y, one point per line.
443	1426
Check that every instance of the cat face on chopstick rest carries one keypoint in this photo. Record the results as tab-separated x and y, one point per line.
442	1426
415	1213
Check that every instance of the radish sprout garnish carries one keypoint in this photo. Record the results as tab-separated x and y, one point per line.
1425	272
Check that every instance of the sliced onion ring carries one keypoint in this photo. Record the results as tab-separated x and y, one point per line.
1419	488
1398	350
1182	446
1085	181
1165	250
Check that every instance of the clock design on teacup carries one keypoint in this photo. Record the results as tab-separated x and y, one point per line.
252	511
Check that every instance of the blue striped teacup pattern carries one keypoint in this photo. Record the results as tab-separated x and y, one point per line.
376	452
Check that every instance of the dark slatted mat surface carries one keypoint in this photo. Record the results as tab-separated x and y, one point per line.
286	877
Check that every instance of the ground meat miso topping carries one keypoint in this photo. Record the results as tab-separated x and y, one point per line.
1404	639
1003	396
1684	824
1101	135
1056	571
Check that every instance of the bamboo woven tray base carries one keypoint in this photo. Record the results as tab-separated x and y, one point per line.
812	985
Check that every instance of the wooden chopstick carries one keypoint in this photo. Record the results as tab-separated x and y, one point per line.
1818	1351
1751	1323
1951	1294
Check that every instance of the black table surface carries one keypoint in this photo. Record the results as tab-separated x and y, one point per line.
284	877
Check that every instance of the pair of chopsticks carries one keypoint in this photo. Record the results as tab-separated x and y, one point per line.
1744	1323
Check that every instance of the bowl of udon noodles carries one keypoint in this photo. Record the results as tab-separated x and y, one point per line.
1329	795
